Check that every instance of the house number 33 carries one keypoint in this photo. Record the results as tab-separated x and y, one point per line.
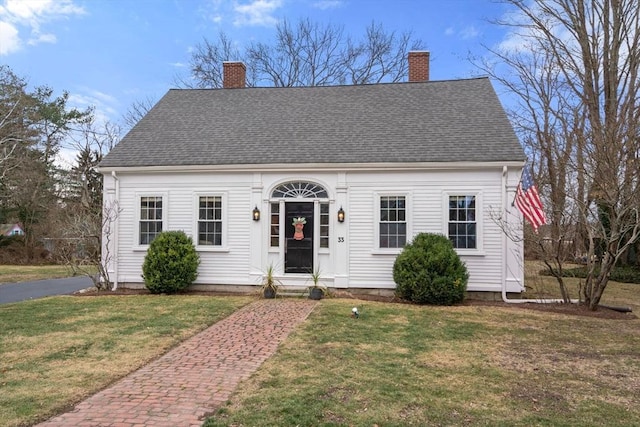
340	239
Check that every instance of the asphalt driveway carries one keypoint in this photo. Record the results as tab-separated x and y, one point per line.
14	292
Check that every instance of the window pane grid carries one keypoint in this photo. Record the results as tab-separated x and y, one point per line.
275	225
150	219
324	225
300	189
393	226
210	221
462	222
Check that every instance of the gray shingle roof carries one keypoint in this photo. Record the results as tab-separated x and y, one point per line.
437	121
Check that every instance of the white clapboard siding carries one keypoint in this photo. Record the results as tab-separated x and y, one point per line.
180	192
363	267
357	261
427	195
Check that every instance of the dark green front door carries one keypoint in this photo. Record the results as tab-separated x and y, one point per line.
298	252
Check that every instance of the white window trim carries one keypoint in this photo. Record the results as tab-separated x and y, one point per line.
479	250
326	250
225	221
165	211
377	250
280	203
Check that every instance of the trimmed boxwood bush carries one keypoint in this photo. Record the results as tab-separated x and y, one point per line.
171	263
429	271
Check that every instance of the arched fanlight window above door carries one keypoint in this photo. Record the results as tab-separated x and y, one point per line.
299	189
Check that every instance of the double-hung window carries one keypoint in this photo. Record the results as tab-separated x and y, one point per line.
463	223
150	219
393	222
210	221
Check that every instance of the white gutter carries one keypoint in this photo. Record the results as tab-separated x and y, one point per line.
505	196
305	167
115	230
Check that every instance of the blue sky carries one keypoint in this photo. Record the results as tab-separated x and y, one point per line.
109	53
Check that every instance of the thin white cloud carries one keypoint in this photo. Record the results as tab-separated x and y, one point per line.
214	10
10	38
469	32
524	37
515	41
178	64
29	16
256	13
40	9
104	105
103	97
466	33
328	4
42	38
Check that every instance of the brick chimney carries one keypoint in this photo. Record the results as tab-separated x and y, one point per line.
234	75
418	66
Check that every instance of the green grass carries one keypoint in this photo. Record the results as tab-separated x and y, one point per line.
23	273
56	351
400	365
616	294
626	274
396	365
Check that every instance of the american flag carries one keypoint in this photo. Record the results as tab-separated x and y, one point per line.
528	200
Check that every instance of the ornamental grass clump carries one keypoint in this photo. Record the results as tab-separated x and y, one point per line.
171	263
429	271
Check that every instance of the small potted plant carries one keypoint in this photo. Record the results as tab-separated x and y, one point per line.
270	285
316	291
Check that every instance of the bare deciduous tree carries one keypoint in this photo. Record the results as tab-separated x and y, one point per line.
86	228
306	54
206	63
575	73
85	244
137	110
15	104
8	142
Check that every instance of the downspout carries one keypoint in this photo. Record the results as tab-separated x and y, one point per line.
505	196
115	231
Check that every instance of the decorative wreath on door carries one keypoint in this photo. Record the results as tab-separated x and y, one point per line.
298	225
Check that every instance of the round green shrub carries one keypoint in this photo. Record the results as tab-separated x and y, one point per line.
171	263
429	271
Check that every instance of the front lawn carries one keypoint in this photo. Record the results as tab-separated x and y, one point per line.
25	273
56	351
401	365
396	365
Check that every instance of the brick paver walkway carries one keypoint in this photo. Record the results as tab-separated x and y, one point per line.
195	378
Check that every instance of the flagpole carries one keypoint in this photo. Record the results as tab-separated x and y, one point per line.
528	201
513	201
505	297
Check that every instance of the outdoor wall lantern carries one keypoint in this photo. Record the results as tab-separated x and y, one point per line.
256	214
341	214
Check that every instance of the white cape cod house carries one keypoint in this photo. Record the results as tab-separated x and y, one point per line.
335	179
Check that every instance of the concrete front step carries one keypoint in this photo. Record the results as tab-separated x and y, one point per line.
290	294
293	291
